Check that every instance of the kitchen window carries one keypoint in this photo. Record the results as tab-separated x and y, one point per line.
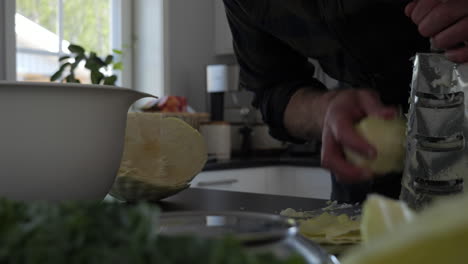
45	28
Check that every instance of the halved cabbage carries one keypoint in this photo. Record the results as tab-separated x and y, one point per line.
161	156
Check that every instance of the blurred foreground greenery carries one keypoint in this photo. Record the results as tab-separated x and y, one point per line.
104	232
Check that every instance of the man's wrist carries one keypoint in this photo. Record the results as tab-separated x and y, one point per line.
305	113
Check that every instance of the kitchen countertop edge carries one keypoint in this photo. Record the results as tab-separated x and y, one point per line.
243	163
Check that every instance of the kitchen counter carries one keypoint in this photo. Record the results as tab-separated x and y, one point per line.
195	199
252	162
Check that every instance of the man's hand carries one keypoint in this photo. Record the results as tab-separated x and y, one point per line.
332	116
445	22
343	112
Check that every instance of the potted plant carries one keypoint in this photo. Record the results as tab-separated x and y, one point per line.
100	69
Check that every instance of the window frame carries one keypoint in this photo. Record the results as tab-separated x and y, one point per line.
151	71
121	38
7	40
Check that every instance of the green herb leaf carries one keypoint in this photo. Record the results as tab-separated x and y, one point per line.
78	59
116	51
63	66
110	80
92	55
59	73
76	49
64	58
118	66
96	77
71	78
109	59
94	63
56	76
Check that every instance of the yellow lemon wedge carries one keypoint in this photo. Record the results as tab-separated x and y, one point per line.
439	234
382	215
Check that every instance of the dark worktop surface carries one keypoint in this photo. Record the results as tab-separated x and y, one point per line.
252	162
194	199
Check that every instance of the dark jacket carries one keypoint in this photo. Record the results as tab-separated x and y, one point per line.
361	43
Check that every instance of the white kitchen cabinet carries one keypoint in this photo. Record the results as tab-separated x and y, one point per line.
223	37
247	180
307	182
313	182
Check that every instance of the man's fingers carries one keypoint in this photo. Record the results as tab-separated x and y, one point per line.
333	159
372	105
387	113
369	101
442	17
422	9
345	133
459	55
452	36
410	7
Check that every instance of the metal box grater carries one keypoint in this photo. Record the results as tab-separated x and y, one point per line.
436	158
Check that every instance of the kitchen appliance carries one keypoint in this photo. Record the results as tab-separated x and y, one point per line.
260	138
257	232
217	135
61	141
220	78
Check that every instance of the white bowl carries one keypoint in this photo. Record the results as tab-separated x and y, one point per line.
61	141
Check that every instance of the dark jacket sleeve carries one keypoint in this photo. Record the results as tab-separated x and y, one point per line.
269	68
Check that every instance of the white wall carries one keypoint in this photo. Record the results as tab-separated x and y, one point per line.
191	39
191	48
173	42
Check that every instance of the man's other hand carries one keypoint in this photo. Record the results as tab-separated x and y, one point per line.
445	22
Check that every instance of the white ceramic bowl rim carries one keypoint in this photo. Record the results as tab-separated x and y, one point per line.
70	85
